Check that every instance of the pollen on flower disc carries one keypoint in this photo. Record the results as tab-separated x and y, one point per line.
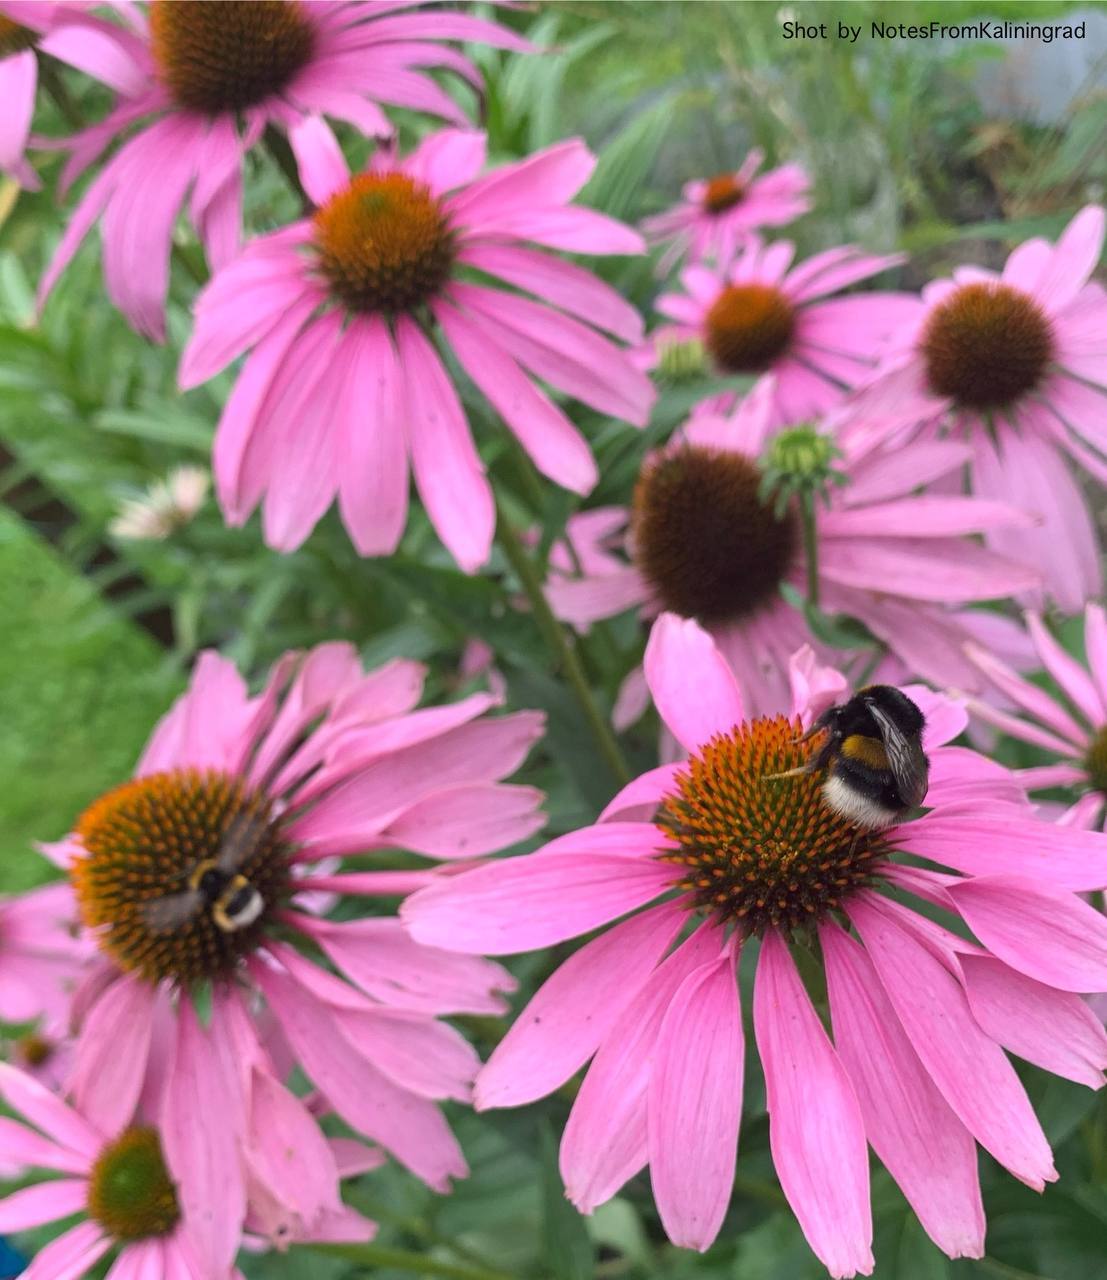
722	192
756	851
384	243
748	326
227	56
14	37
142	843
706	543
1096	761
129	1190
986	345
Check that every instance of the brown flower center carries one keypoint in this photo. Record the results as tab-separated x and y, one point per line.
384	243
986	345
129	1190
748	327
172	863
227	56
14	38
34	1050
759	852
723	192
1096	761
704	540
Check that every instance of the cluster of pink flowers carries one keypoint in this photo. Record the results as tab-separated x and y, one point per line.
226	1016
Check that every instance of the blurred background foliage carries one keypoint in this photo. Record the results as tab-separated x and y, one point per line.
921	145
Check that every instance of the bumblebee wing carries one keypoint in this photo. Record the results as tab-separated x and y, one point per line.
239	842
906	758
163	915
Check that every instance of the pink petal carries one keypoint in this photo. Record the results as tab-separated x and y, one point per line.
925	1147
448	159
40	1107
1074	258
469	821
534	901
957	573
692	686
694	1103
319	158
549	177
647	790
1046	933
816	1133
1028	696
18	78
112	1052
414	1050
21	1148
448	471
930	516
605	1140
572	1012
968	1067
71	1255
900	471
1068	673
1053	1029
44	1202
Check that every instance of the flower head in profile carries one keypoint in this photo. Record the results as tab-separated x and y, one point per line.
717	213
715	854
166	506
1015	363
1073	727
703	538
344	386
199	84
203	873
758	314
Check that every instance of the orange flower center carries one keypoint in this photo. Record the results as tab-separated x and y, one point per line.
216	57
704	540
14	38
171	865
986	345
760	852
748	327
34	1050
723	192
130	1193
384	243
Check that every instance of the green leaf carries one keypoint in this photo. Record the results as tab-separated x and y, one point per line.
566	1244
159	424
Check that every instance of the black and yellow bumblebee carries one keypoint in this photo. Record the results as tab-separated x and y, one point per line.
876	769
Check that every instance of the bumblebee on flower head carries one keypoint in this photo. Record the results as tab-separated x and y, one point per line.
876	769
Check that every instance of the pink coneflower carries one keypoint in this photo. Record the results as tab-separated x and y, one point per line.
40	958
920	1015
717	213
755	315
204	81
704	540
1016	364
1076	732
325	762
344	384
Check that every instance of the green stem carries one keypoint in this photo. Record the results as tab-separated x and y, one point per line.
52	82
810	547
560	646
379	1255
280	149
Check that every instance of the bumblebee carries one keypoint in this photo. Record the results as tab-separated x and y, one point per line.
215	884
875	766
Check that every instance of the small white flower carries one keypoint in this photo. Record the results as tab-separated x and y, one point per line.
166	505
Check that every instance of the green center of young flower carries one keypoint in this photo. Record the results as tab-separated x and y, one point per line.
216	57
182	872
756	851
14	38
748	326
799	463
384	243
986	345
681	359
722	192
1096	761
130	1193
705	540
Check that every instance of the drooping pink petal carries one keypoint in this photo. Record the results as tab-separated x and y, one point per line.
36	1104
1074	258
23	1148
111	1053
692	686
572	1012
45	1202
71	1255
469	821
319	159
645	793
1068	673
694	1103
547	178
816	1132
925	1147
1028	696
969	1069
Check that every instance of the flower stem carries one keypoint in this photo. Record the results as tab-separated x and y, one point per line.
382	1256
560	646
810	547
280	149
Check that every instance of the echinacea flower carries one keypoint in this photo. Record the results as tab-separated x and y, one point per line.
203	82
325	762
757	314
1075	729
704	540
717	213
165	507
1014	363
921	1016
344	383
